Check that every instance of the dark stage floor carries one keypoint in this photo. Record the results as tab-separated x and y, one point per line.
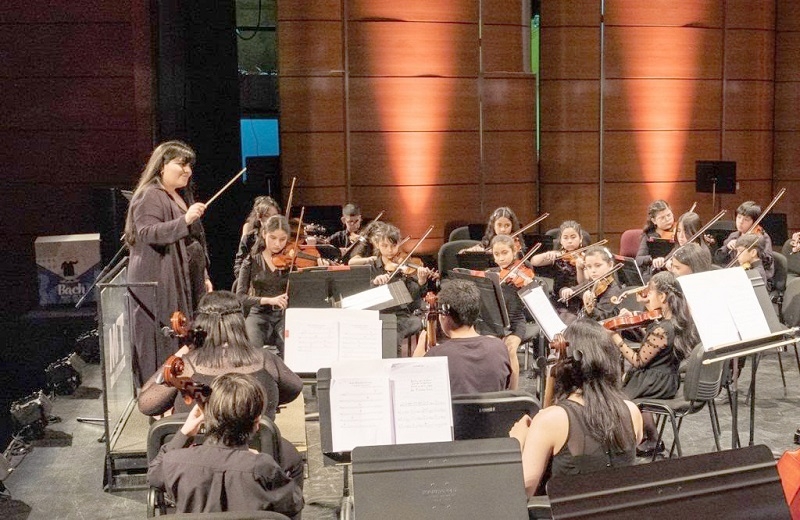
62	477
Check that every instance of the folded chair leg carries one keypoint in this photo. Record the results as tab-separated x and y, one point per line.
780	364
675	433
676	443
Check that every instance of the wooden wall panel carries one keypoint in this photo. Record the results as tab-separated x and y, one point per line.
570	53
510	156
787	17
626	203
320	153
413	104
464	11
570	105
752	151
412	49
787	106
414	158
506	12
749	105
67	104
305	10
572	13
663	52
697	13
506	48
656	104
750	55
317	196
509	103
787	64
311	104
76	11
750	14
103	52
759	191
787	157
569	157
675	151
310	48
571	202
522	198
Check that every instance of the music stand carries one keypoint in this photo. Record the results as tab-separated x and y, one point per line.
493	319
317	288
715	177
629	275
475	260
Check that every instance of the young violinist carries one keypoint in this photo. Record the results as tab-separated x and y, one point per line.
667	342
385	241
502	221
262	284
263	208
750	254
688	225
476	363
504	251
351	218
568	268
747	213
597	304
660	225
365	253
689	259
592	425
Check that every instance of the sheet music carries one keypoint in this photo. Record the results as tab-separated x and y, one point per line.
724	306
420	392
360	405
368	298
543	311
314	336
361	339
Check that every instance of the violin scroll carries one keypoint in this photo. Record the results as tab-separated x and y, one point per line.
187	336
172	373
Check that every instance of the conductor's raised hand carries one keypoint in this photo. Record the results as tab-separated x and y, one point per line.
194	212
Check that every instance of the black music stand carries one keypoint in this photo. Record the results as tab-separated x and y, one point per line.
715	177
493	318
475	260
319	287
629	275
714	485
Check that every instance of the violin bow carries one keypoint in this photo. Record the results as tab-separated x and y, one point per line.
228	185
296	243
361	237
514	270
289	200
585	285
584	248
698	234
408	256
530	225
757	221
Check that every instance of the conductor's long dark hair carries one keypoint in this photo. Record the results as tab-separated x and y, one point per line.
593	370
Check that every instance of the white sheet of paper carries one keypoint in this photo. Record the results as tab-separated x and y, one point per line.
360	410
360	339
420	392
543	312
724	306
313	336
368	298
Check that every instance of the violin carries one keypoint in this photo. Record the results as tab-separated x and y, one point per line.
408	265
638	319
756	229
519	276
559	345
571	257
431	319
597	287
668	234
602	285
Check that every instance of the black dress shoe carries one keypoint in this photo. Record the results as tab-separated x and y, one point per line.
648	451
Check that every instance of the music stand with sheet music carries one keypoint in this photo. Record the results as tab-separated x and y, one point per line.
320	287
629	275
778	336
493	320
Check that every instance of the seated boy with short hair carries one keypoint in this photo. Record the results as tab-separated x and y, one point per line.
223	474
476	363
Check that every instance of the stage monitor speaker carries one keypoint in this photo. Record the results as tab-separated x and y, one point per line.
264	176
721	174
775	226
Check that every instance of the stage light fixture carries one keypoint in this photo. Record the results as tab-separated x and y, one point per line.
31	414
63	376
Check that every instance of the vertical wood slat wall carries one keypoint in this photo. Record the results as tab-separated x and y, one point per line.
682	81
387	104
77	114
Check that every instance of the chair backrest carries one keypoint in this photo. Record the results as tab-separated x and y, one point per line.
781	272
447	254
459	233
702	382
268	439
490	414
791	304
792	260
629	242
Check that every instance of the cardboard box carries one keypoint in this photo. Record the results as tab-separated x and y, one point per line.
66	265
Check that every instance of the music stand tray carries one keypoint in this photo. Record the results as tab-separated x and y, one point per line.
320	287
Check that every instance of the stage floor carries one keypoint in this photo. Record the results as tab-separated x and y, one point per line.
62	477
